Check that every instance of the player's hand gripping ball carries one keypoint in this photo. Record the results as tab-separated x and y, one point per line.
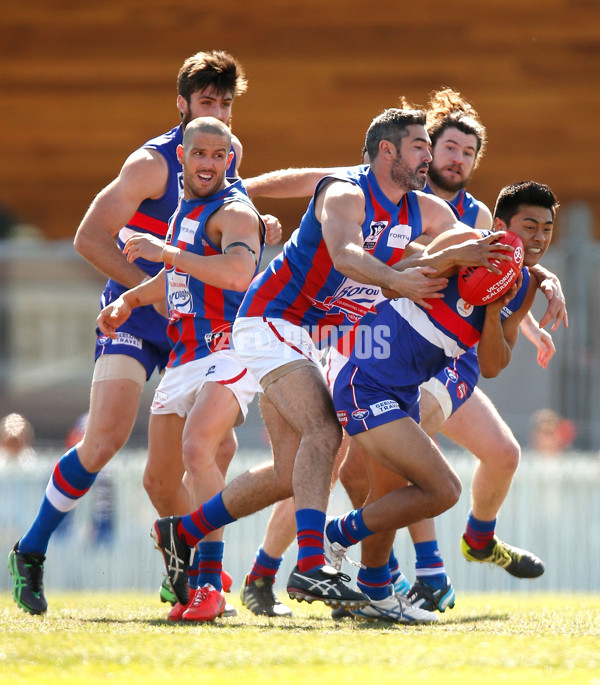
478	286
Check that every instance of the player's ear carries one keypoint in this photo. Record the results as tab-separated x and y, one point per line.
180	154
182	105
500	225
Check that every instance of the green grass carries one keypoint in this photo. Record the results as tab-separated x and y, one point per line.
93	638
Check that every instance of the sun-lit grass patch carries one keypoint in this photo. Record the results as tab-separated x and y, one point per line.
93	638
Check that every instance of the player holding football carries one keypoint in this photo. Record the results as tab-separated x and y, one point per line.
377	401
299	289
458	141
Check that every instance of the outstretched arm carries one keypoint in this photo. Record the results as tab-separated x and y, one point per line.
550	285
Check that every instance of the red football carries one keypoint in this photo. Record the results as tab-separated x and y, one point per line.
478	286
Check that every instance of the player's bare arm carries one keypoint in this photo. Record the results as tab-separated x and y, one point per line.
340	208
284	183
498	337
144	175
116	313
540	338
234	268
550	285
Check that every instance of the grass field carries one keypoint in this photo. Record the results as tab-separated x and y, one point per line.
93	638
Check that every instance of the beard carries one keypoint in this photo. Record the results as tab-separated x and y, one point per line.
406	178
442	182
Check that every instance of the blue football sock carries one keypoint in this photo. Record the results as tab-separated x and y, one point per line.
429	566
67	485
479	533
375	581
310	524
349	529
210	564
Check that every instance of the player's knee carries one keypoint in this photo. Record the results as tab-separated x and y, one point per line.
95	453
326	437
448	493
507	455
160	491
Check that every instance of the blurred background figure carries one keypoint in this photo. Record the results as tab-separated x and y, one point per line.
16	441
550	434
101	527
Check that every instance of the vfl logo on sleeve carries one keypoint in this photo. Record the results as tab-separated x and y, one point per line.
399	236
180	297
375	230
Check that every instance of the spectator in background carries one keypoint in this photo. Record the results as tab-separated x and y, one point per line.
550	434
16	441
103	514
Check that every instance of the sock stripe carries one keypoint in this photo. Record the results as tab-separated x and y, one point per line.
64	486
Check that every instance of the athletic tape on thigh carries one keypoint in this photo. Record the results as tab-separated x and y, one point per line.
117	367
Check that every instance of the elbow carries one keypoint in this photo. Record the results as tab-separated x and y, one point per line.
239	283
489	372
81	243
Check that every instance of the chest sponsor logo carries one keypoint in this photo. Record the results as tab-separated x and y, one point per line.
399	236
360	414
352	298
187	230
375	230
384	406
180	297
180	184
464	308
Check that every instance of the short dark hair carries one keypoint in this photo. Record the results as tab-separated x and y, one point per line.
448	109
214	68
532	193
391	125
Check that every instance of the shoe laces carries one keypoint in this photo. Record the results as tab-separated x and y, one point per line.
202	594
36	573
500	555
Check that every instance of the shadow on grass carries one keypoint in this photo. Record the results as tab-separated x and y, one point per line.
296	624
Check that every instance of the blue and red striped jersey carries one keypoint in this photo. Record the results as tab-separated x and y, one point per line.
200	315
301	284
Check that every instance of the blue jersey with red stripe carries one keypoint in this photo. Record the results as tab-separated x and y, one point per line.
464	205
301	285
466	208
409	344
200	315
